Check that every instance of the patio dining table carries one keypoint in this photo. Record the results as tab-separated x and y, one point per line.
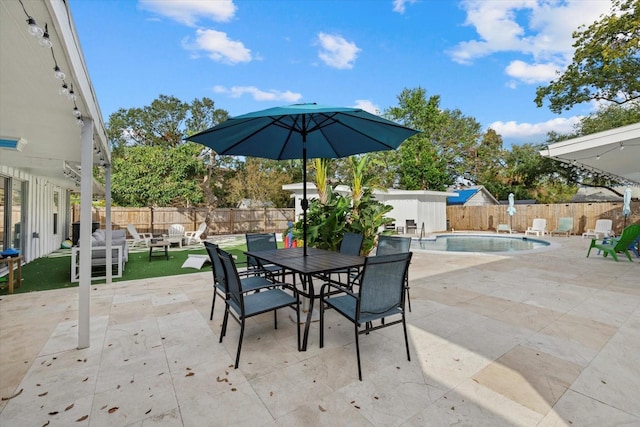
318	262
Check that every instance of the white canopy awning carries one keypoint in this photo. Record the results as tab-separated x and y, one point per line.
614	152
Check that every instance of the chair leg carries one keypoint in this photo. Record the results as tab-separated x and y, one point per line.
406	337
355	325
321	322
213	302
628	255
240	342
298	324
223	331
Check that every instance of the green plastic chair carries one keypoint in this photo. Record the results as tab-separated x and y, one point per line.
621	244
565	226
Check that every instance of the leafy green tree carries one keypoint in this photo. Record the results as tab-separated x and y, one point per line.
419	164
606	62
158	176
163	125
420	167
259	180
456	138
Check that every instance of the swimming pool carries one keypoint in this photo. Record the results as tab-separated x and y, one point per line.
478	243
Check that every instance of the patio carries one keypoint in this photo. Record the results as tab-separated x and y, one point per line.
549	338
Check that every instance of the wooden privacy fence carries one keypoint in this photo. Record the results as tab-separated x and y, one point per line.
223	221
483	218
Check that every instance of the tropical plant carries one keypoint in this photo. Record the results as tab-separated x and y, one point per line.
325	221
368	219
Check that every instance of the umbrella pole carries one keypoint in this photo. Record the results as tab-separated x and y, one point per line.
305	202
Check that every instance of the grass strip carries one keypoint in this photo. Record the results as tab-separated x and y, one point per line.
55	272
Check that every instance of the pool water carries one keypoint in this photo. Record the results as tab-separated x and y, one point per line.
478	243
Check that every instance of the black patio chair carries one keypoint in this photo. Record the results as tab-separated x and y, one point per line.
242	305
395	245
253	283
351	244
262	242
380	295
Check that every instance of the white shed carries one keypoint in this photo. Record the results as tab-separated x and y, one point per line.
428	208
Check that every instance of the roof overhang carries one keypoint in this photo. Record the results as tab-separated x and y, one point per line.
31	108
614	152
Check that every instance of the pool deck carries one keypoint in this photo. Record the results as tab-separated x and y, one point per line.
546	338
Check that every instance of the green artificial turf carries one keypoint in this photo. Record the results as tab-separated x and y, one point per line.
55	272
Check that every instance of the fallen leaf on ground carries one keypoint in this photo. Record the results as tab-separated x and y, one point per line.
15	395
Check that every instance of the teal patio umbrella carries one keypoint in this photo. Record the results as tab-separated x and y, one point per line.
303	131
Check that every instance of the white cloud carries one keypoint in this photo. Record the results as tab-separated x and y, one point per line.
258	94
532	73
337	52
188	12
219	47
538	28
537	131
367	106
400	5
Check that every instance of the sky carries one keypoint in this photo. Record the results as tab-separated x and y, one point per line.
483	57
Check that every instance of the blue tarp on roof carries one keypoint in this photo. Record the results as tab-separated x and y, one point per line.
462	197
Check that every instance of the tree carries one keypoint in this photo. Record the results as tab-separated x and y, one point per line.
146	141
606	62
259	180
419	164
158	176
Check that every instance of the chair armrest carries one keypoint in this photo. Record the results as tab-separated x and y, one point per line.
338	289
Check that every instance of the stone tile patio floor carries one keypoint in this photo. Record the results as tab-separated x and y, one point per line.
549	338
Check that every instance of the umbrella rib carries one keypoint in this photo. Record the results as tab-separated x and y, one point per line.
323	124
240	141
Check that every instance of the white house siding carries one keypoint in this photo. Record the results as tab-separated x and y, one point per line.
427	208
434	210
37	213
481	198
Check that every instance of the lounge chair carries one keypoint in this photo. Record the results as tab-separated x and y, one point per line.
504	227
604	228
538	227
411	226
192	237
618	245
565	226
138	238
635	247
175	234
